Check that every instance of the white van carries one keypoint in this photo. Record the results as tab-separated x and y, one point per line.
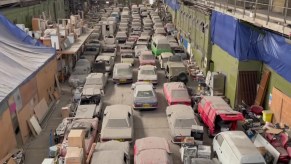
234	147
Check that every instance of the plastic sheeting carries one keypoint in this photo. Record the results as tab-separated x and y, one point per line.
19	57
246	43
173	4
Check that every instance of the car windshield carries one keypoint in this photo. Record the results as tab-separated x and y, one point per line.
148	57
179	51
144	94
175	58
117	123
147	72
127	56
142	40
108	50
184	123
123	71
180	94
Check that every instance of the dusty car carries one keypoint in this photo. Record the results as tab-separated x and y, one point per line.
121	37
147	59
163	58
147	73
144	96
135	35
98	80
158	25
175	69
117	123
147	31
169	27
108	60
143	40
176	93
160	44
179	51
127	58
180	118
138	49
122	73
70	123
109	40
126	48
94	42
131	41
80	72
153	150
160	30
108	51
103	153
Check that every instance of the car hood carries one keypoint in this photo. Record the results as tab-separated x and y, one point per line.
147	77
110	133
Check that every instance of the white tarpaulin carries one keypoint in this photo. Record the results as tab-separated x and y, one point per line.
19	59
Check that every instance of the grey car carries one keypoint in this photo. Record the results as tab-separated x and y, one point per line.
144	96
122	73
180	118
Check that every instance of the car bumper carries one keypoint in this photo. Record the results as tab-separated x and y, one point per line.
122	81
149	81
145	106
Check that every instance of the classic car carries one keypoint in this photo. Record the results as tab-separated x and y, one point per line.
108	60
147	59
147	73
153	150
121	37
163	58
117	123
144	96
176	93
127	58
122	73
143	40
138	49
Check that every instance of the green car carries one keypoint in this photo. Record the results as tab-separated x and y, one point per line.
159	45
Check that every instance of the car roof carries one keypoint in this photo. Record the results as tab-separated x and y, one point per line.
108	157
152	143
181	111
112	145
103	57
144	87
219	105
121	65
176	85
151	67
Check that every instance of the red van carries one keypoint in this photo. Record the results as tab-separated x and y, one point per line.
217	115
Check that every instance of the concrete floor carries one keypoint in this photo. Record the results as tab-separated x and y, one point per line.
146	123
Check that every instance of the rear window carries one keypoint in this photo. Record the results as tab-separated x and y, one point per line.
219	139
148	72
184	123
148	57
144	94
107	50
180	94
117	123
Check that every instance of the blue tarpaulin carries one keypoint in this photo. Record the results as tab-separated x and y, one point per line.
173	4
246	43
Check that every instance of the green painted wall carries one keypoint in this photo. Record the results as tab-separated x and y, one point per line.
228	65
23	15
278	82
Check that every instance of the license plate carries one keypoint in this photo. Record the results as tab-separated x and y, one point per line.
120	140
122	80
146	105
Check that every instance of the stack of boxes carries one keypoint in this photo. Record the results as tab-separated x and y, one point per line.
76	153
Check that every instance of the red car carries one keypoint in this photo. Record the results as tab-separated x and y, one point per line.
147	58
218	115
152	150
176	93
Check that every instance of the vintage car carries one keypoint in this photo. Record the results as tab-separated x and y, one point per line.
176	93
79	74
179	51
131	41
147	31
144	96
163	58
160	44
127	58
111	152
108	60
122	73
175	70
98	80
126	48
181	118
109	51
158	25
138	49
143	40
110	40
147	58
117	123
91	49
153	150
90	125
217	115
121	37
147	73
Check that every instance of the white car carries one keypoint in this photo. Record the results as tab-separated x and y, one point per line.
147	73
127	58
117	123
160	31
138	49
109	50
143	40
109	40
109	62
122	73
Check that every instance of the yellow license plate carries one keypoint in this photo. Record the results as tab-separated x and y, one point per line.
146	105
120	140
122	80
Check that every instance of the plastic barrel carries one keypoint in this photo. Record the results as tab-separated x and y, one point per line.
267	115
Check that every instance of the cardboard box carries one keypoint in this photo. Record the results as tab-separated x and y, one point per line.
74	155
65	112
76	138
